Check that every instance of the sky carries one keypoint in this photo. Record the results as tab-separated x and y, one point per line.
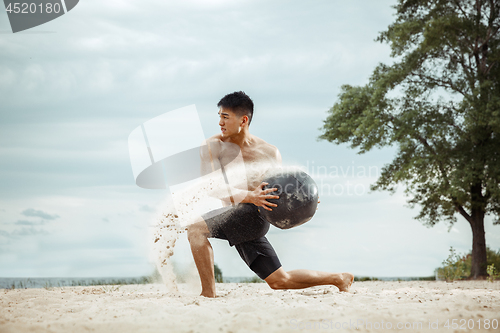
73	89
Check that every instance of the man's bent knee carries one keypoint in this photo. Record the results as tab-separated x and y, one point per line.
278	284
278	280
197	233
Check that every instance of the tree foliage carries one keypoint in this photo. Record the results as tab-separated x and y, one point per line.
439	103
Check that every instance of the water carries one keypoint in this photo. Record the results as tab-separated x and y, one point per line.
22	283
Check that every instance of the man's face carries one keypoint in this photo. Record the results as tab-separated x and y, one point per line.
229	122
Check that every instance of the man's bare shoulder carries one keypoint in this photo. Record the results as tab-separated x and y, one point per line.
215	138
210	148
267	148
262	144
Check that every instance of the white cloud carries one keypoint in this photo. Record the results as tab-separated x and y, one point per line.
39	213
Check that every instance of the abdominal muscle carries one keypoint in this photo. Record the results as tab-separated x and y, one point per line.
252	164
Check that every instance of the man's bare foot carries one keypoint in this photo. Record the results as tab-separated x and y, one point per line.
347	279
208	294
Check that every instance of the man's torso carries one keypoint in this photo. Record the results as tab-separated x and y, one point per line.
258	157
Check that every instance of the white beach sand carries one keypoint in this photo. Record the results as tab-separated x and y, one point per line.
242	307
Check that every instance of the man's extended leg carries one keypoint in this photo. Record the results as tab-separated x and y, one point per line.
303	278
203	255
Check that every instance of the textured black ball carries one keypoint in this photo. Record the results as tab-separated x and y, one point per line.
298	199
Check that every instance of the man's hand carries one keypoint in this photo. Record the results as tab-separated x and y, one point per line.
260	195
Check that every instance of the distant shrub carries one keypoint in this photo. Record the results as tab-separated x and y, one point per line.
218	274
458	267
365	278
427	278
492	257
492	273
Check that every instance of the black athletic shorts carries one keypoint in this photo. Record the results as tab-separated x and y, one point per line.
244	228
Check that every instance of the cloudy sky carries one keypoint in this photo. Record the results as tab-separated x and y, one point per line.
72	91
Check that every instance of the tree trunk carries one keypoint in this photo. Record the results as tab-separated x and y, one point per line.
479	263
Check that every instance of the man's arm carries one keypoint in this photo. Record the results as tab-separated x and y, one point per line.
214	172
221	188
209	156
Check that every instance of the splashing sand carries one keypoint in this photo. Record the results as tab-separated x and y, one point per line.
185	208
188	204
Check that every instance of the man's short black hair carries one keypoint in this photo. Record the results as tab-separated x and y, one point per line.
239	103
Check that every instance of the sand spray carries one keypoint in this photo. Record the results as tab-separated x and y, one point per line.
185	207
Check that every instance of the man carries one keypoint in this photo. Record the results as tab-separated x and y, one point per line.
241	224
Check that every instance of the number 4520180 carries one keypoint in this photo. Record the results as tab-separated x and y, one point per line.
31	8
471	323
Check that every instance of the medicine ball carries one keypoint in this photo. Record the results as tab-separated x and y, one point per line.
298	198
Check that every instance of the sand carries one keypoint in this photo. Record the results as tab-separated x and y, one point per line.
242	307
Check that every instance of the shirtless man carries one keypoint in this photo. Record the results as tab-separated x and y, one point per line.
241	224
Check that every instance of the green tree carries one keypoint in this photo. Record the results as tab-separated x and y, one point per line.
439	103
